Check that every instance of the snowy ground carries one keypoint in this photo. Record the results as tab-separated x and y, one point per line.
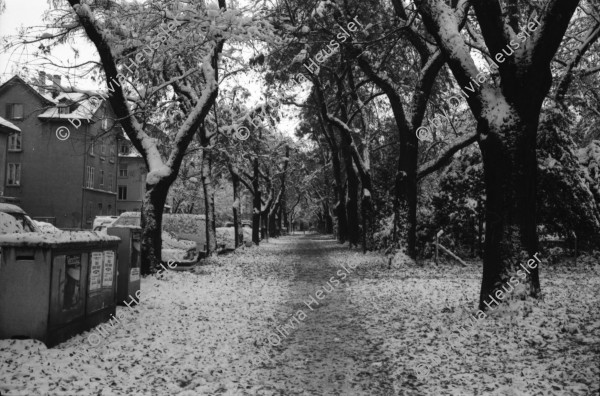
376	331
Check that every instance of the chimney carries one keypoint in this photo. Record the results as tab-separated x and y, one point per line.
42	82
56	85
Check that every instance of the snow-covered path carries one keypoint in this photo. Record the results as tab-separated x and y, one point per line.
328	352
240	325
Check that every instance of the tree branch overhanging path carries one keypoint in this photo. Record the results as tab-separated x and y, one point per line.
195	92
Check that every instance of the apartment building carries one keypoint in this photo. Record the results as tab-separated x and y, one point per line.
59	173
131	178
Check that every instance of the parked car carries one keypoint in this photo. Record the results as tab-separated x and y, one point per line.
245	224
46	227
191	227
13	219
181	251
226	237
101	223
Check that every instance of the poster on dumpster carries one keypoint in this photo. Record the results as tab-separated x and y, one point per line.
72	294
109	265
95	271
134	275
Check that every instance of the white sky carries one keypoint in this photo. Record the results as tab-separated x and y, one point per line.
19	14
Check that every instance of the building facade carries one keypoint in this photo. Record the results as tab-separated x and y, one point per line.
131	178
7	130
59	172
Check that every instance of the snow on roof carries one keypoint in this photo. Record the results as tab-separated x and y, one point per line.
86	106
9	125
48	97
132	154
41	239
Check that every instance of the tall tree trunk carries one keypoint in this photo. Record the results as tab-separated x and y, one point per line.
340	208
328	219
256	204
282	213
264	220
151	223
510	164
272	224
209	203
351	198
237	223
406	192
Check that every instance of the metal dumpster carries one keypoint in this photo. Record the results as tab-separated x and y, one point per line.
53	286
128	279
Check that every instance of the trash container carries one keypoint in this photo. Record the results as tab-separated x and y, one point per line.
128	278
53	286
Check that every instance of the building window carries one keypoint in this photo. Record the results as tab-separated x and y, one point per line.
100	209
64	110
14	175
103	149
105	124
112	150
89	182
110	181
109	210
122	193
101	177
92	148
122	170
124	149
14	142
14	111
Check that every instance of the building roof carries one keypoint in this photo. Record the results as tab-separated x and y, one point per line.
85	110
46	99
7	126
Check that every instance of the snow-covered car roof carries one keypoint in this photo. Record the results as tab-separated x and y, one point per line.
9	208
170	242
45	227
128	219
103	221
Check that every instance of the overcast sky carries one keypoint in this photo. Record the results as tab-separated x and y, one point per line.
19	14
